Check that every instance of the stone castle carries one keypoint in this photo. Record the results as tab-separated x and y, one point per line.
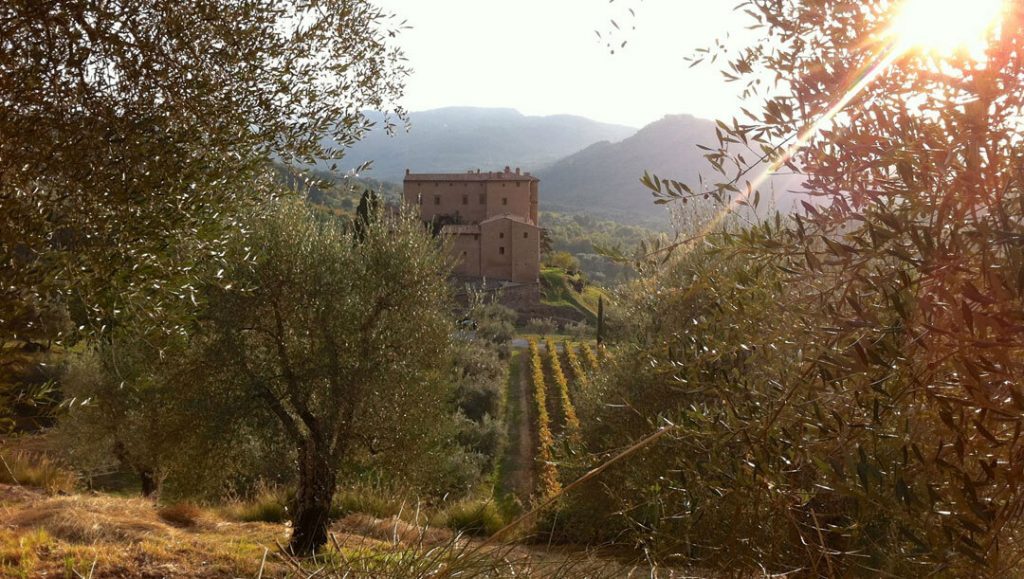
491	219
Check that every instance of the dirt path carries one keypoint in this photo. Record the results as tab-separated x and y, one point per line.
518	464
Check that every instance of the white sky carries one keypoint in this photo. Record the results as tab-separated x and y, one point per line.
543	57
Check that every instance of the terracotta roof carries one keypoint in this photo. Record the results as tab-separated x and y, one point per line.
510	217
474	176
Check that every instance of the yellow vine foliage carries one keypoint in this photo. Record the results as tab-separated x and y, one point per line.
547	473
572	422
590	356
579	374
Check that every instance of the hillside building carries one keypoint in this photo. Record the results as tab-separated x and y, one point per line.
491	219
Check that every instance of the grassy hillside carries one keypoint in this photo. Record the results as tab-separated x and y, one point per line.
557	289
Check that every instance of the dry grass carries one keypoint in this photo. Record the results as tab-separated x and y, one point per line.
393	531
104	536
184	515
47	531
60	536
36	470
269	505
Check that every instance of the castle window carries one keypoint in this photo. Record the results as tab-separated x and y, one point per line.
501	235
465	199
483	198
504	200
526	235
501	251
437	199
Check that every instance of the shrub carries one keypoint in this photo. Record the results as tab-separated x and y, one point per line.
480	377
367	500
471	516
562	260
498	332
36	470
541	326
485	438
269	505
495	323
579	283
581	329
181	514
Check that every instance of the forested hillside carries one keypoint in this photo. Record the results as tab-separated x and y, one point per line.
604	179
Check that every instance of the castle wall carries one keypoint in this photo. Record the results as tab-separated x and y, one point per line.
496	235
467	199
508	198
509	250
465	249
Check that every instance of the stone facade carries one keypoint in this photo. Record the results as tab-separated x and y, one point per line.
490	220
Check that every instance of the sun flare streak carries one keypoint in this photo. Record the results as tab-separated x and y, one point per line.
865	76
942	27
946	27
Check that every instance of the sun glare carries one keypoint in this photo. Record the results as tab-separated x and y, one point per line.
945	27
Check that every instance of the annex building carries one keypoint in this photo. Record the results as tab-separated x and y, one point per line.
491	219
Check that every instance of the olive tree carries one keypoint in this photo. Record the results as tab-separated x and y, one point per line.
139	401
342	337
128	127
119	411
872	422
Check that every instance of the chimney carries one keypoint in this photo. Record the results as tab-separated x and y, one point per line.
406	171
517	170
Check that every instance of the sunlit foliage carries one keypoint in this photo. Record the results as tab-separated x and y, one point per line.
339	336
571	422
547	473
130	129
844	384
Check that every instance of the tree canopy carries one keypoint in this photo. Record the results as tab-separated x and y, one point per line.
875	414
127	128
341	335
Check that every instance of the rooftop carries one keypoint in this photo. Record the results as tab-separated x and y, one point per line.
507	175
510	217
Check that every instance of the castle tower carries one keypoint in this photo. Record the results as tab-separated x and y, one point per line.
492	219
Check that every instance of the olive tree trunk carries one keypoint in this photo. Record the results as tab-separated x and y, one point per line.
150	483
317	480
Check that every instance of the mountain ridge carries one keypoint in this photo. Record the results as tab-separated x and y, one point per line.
460	138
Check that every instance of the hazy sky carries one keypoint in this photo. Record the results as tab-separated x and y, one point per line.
543	57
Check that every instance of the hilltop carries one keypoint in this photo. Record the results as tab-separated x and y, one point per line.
462	138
